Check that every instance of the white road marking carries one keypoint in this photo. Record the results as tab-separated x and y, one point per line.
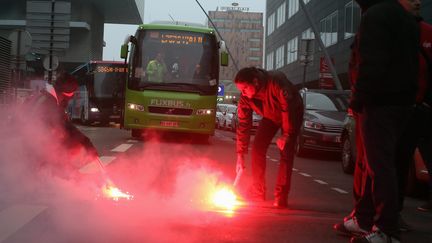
122	147
339	190
132	141
294	169
107	159
321	182
268	157
94	167
304	174
15	217
274	160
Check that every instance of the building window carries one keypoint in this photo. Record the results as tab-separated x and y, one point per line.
254	49
254	58
270	24
254	40
352	19
250	21
292	50
281	15
329	27
293	7
250	31
280	55
308	34
270	61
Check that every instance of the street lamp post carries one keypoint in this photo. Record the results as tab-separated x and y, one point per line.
306	56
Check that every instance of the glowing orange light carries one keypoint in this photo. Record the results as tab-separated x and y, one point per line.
225	199
115	193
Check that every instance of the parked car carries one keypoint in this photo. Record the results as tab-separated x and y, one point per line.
324	114
228	111
256	119
418	172
220	109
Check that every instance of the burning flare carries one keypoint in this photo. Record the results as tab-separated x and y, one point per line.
225	198
114	193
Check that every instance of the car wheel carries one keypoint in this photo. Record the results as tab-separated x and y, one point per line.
233	127
83	120
413	187
348	161
299	150
202	138
136	133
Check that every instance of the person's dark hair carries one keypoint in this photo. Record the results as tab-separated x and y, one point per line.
247	75
66	83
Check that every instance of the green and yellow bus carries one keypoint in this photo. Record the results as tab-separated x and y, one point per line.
172	80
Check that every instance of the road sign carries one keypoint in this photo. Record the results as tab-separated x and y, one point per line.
48	23
54	63
221	90
307	47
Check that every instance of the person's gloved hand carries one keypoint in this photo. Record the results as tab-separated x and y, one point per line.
240	163
281	141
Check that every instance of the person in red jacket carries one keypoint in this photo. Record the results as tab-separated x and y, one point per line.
383	98
63	140
419	131
271	95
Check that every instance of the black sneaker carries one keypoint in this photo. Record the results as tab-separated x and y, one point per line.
376	236
427	207
349	227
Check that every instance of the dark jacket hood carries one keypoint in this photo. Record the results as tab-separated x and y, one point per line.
365	4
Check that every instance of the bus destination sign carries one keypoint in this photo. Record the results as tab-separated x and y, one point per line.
109	69
181	39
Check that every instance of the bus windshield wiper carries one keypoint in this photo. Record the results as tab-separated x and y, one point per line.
197	86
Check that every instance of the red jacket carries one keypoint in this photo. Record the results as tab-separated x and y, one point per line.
425	69
282	104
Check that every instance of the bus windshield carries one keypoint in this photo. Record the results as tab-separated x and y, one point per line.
186	61
107	84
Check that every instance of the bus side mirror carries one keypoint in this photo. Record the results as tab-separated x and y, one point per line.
124	51
224	59
223	53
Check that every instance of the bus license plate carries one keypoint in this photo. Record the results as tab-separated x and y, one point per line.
169	123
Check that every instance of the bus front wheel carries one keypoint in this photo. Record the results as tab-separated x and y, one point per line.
202	138
136	133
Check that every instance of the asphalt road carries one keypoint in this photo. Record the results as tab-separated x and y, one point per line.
171	180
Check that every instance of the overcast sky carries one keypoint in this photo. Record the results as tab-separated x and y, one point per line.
180	10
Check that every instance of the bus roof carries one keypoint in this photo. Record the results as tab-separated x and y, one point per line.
177	26
107	62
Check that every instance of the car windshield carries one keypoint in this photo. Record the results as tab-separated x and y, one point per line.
326	102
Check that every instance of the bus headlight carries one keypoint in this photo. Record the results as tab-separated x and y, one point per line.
205	111
94	109
135	107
